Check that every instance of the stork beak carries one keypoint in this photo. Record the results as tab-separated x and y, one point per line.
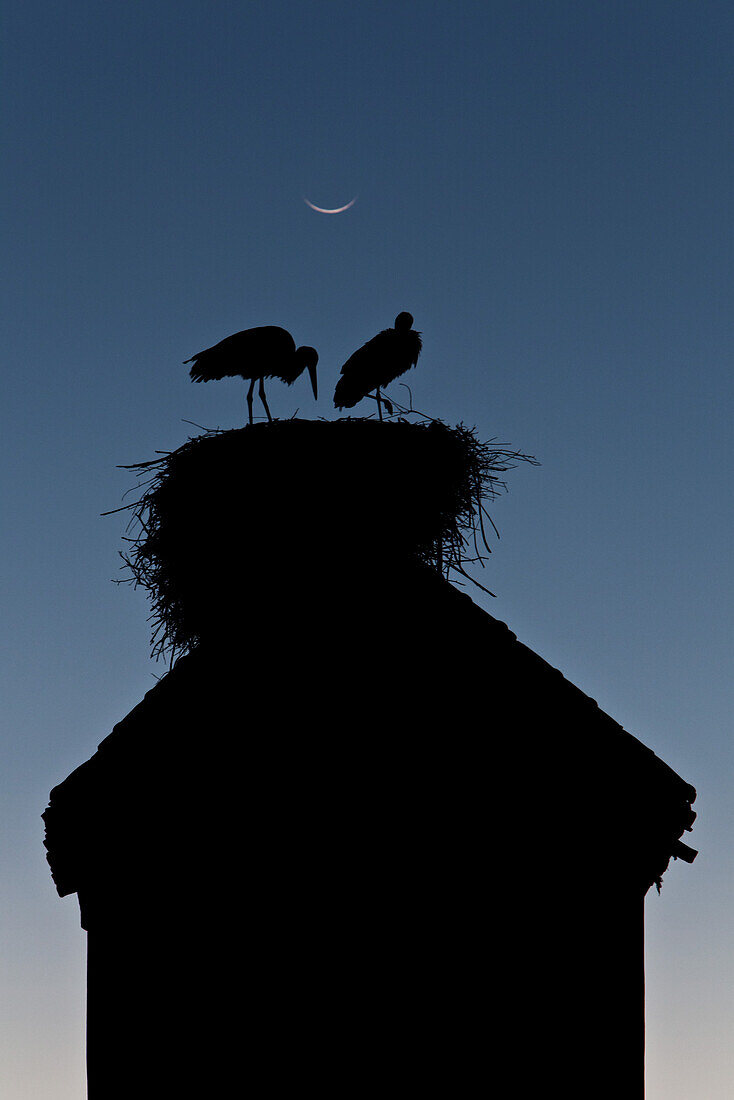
312	376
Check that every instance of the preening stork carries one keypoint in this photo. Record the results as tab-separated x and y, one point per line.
257	353
376	363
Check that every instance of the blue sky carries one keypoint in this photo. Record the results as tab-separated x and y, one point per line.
547	187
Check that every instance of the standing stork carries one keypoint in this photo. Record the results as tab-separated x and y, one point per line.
376	363
256	353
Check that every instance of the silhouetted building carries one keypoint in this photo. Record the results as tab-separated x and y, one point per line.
361	842
332	864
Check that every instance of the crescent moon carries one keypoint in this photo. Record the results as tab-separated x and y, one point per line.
322	210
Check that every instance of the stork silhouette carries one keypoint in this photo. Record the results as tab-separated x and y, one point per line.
376	363
257	353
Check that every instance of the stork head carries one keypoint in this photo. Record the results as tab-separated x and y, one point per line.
306	359
403	322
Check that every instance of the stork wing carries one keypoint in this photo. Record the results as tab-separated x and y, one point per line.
253	349
359	374
363	358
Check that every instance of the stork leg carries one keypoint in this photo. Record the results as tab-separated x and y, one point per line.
249	398
261	391
379	402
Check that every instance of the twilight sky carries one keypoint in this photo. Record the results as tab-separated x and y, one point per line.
547	187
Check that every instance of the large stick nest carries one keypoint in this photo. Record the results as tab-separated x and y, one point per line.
229	505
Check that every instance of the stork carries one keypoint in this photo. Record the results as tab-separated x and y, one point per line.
257	353
376	363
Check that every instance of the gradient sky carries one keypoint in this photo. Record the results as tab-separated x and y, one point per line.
547	187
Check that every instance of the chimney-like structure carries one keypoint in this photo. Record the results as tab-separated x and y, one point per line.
359	840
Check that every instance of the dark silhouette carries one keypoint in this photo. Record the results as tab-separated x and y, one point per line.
359	840
316	482
385	357
257	353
